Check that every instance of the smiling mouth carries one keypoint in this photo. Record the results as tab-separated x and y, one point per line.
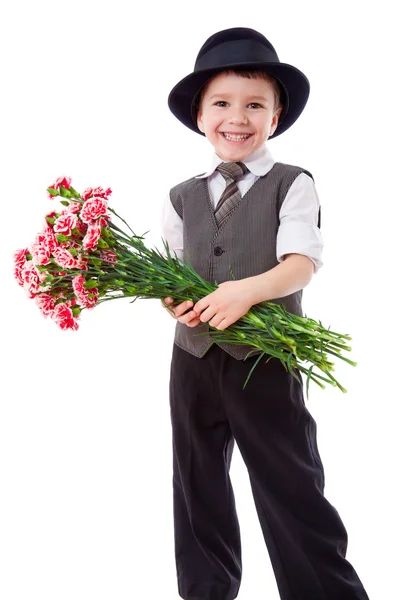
236	137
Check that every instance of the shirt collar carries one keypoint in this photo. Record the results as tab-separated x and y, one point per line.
258	162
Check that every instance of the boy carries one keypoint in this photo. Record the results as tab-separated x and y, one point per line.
258	219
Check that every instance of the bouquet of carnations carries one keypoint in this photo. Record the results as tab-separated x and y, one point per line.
82	258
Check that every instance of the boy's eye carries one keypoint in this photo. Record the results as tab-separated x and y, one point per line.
252	104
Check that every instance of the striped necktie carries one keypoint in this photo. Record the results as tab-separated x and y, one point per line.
231	172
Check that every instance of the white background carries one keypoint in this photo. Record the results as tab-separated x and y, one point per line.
85	440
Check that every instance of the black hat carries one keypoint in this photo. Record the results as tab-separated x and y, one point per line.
244	48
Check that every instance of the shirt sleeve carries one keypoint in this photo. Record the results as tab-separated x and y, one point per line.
171	229
298	231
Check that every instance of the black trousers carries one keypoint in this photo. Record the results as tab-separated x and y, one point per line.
276	436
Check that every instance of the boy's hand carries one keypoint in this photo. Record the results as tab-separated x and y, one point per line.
226	304
190	318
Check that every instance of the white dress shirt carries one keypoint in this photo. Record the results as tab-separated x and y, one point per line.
298	230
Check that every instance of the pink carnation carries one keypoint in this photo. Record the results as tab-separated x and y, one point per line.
42	247
20	257
64	181
87	193
98	191
110	257
32	278
86	298
92	236
78	284
74	207
65	223
92	298
47	239
18	275
64	318
40	253
60	181
93	209
64	258
46	304
81	263
19	264
51	215
103	221
101	192
81	227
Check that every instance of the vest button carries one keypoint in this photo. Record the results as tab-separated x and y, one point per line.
218	251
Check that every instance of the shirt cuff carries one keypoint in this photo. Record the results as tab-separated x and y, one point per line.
298	237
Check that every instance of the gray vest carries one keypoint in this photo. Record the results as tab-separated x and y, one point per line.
244	245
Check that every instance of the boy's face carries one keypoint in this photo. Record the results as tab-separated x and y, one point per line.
237	115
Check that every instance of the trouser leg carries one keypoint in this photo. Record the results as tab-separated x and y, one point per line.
206	528
276	435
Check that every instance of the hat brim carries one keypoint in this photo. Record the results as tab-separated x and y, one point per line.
294	83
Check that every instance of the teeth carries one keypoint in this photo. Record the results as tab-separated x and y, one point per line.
236	138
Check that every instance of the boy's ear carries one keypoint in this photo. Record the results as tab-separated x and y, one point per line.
200	121
275	120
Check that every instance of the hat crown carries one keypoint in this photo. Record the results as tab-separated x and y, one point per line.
236	45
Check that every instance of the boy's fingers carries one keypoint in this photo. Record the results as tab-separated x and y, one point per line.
186	317
193	323
186	306
183	307
180	309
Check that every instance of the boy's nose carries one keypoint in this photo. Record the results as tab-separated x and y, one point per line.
237	117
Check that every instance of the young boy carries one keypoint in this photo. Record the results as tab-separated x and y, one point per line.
260	219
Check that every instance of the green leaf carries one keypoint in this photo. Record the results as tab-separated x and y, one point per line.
59	301
62	238
76	311
252	369
74	192
64	202
102	244
53	192
309	372
50	220
64	192
91	284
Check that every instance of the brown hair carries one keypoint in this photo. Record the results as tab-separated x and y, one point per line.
249	74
